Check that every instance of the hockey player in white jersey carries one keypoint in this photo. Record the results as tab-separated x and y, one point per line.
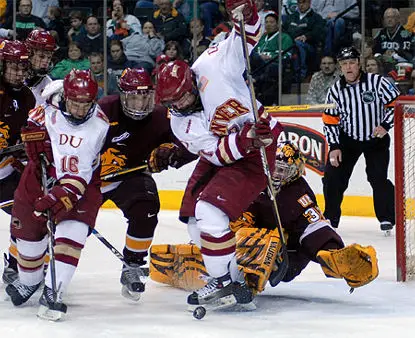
71	134
212	115
42	46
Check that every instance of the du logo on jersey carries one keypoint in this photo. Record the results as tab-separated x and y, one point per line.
73	141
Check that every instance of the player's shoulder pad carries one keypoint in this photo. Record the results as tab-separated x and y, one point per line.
101	115
52	88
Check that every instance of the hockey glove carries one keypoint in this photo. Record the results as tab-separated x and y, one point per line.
254	136
59	201
357	264
36	141
167	154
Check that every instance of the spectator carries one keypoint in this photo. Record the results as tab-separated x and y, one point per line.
209	13
3	9
262	13
173	51
411	91
121	25
197	29
393	42
336	29
25	21
117	62
40	8
266	58
96	60
145	4
373	65
75	60
169	23
184	7
56	24
307	28
92	39
322	80
76	19
368	50
143	48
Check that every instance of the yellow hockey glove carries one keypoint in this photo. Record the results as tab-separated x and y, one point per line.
358	265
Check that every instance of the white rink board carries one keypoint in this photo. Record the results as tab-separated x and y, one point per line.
176	179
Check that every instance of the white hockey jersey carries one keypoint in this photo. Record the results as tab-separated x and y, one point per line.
38	88
76	148
225	98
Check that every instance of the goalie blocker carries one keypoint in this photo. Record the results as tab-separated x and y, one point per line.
310	238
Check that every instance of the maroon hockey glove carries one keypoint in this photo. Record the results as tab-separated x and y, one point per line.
254	136
36	141
59	201
167	154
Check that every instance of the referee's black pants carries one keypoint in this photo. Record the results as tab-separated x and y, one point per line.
336	179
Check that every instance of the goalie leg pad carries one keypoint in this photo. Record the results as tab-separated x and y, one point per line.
358	265
256	253
179	265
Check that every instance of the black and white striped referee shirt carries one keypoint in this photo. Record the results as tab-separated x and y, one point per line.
360	107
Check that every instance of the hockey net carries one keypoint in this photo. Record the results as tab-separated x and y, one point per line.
405	187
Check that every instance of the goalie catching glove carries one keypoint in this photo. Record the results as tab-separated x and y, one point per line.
357	264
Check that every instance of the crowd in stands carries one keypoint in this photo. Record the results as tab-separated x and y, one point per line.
144	32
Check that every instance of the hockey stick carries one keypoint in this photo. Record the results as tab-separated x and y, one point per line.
50	227
6	204
116	253
12	149
278	275
123	172
301	107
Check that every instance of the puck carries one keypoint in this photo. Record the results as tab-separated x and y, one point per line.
199	312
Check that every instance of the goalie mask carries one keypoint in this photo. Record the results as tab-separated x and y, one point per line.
176	88
137	94
289	164
42	45
80	91
14	62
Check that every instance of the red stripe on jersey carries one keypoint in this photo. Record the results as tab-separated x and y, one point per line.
67	259
69	242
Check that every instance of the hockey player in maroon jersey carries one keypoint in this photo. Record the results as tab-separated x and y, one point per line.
71	135
140	131
16	100
310	238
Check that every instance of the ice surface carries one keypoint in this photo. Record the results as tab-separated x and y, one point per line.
311	306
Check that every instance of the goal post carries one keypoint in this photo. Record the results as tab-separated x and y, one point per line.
404	139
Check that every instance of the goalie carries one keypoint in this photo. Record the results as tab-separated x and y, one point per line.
309	237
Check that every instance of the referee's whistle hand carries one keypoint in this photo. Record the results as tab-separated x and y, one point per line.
379	131
335	157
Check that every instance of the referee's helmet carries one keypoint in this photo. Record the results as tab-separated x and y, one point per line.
348	53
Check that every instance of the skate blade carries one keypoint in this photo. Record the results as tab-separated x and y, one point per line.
131	295
387	233
47	314
223	303
244	307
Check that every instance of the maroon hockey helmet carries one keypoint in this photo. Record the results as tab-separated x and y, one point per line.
15	51
137	94
174	80
80	91
80	86
43	40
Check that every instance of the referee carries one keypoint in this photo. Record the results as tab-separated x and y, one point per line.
359	125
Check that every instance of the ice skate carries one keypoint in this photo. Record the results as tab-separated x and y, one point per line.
217	294
50	309
133	279
244	297
10	274
386	227
20	293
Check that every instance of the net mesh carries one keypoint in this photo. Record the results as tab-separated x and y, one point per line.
408	140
